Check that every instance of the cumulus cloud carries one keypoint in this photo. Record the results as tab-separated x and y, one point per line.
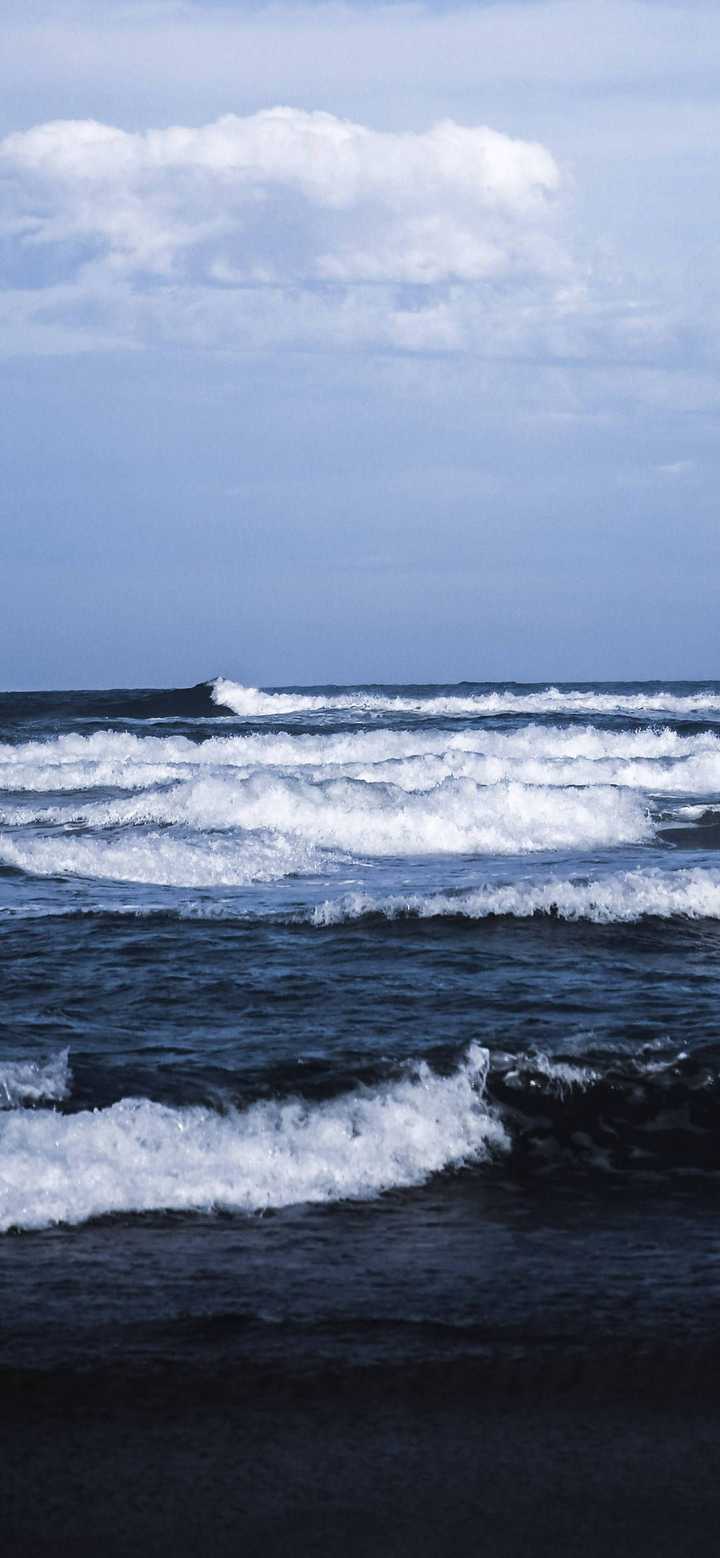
347	230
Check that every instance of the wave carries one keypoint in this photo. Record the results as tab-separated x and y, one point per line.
653	1113
142	703
28	1082
253	703
221	697
654	762
620	897
140	1156
458	816
167	862
353	746
658	762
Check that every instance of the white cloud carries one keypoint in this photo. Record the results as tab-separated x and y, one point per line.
287	195
333	218
290	229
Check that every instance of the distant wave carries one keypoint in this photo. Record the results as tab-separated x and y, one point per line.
221	697
139	1156
252	703
619	897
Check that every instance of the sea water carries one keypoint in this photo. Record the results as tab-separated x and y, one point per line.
373	1023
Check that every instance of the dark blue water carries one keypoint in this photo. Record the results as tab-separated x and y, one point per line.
371	1024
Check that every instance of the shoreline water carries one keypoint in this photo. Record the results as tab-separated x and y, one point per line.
165	1468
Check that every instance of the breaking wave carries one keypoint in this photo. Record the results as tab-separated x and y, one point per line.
140	1156
162	860
660	761
252	703
619	897
458	816
653	1113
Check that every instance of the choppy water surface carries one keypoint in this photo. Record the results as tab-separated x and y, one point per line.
350	1012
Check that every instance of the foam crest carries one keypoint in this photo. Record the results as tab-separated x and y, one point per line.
28	1082
252	703
621	896
458	816
168	862
139	1156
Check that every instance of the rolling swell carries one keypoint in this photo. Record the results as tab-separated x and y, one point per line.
112	704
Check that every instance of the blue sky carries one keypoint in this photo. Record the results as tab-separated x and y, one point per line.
359	342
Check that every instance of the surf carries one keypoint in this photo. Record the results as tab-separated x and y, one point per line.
141	1156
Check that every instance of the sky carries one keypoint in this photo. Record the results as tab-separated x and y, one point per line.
359	342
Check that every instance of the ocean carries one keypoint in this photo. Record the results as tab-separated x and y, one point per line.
359	1065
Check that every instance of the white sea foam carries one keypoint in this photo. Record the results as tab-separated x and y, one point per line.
692	775
119	774
621	896
654	759
29	1082
139	1156
251	702
163	860
457	816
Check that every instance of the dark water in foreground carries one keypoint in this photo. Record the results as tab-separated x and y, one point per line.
360	1029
